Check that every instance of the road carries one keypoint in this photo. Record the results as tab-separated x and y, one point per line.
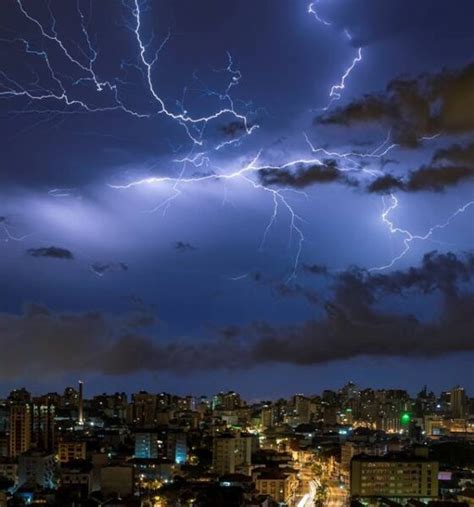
337	497
308	498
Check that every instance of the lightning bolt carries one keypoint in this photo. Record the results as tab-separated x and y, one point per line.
60	90
409	237
335	92
380	151
193	126
9	236
279	196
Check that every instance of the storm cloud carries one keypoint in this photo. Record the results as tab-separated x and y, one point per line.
415	108
304	176
354	324
449	167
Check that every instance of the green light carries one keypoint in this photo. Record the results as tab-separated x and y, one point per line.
406	418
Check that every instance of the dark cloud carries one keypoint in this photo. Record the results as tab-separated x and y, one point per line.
355	324
304	176
413	108
93	342
100	268
456	154
444	171
437	178
53	252
385	184
182	246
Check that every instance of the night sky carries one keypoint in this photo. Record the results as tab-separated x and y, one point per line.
269	196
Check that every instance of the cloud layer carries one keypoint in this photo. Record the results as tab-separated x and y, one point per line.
354	324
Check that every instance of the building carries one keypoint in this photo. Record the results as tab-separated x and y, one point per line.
458	402
302	409
393	476
71	451
20	429
77	476
42	426
80	407
350	449
267	417
227	401
232	453
148	445
143	410
37	469
280	484
176	447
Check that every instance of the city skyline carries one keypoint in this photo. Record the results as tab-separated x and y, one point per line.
308	393
265	197
357	447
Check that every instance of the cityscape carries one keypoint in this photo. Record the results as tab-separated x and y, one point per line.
351	446
236	253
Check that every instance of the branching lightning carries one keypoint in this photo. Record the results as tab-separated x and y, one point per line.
409	237
335	92
278	195
7	227
12	88
68	100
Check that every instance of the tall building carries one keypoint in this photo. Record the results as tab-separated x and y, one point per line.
148	444
302	408
458	402
143	409
267	417
19	396
176	446
80	408
20	429
227	401
42	426
393	476
232	453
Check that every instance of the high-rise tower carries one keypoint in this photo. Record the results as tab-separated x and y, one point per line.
80	418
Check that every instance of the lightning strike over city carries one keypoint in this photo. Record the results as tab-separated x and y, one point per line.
266	197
